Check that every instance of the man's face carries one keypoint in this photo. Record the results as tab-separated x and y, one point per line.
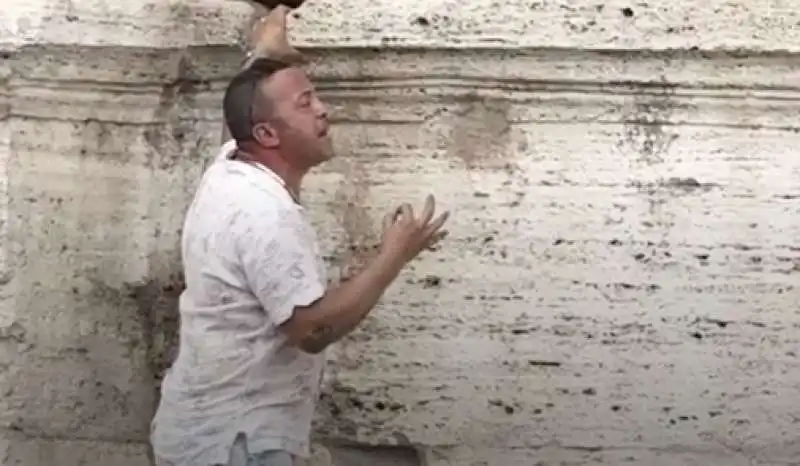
299	118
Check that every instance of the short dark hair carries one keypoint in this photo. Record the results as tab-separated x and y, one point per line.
243	97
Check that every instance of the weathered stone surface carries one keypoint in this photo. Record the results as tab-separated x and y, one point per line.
106	114
24	450
140	23
620	282
766	25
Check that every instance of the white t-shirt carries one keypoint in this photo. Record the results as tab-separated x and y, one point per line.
250	257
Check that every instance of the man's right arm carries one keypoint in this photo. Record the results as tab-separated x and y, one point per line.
341	309
282	271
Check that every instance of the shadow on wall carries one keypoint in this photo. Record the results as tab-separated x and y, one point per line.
157	304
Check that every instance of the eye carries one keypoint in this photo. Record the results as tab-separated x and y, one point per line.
305	100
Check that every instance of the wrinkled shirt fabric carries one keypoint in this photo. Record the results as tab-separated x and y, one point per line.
250	256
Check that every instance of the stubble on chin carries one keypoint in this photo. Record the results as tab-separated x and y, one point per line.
327	151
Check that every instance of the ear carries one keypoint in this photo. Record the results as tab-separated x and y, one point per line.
266	135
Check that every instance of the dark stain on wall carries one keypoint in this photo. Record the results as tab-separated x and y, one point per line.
644	118
350	206
157	304
481	133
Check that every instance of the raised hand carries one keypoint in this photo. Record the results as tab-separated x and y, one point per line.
406	235
270	36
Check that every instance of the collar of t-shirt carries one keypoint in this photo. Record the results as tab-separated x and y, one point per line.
229	149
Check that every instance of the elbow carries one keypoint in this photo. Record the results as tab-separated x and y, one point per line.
311	347
311	340
308	334
316	341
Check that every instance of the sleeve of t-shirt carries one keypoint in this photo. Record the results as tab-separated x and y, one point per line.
280	263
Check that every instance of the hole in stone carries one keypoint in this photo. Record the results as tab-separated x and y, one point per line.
422	21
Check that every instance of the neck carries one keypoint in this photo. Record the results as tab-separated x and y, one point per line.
292	176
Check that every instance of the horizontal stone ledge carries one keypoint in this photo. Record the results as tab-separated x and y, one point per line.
134	85
610	24
493	43
415	105
403	115
198	64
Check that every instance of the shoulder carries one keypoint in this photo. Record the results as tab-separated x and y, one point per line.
240	187
238	209
257	213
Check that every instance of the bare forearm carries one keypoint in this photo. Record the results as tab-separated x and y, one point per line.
342	308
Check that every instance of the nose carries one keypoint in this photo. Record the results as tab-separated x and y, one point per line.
320	109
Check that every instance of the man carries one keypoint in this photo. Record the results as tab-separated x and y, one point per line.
256	314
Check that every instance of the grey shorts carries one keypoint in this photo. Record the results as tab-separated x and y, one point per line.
240	456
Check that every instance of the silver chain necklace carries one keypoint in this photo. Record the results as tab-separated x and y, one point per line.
245	158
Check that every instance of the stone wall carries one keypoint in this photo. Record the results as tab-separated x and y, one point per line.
106	113
620	281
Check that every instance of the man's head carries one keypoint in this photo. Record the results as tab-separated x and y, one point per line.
273	107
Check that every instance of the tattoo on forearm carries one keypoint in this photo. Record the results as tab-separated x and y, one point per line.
319	339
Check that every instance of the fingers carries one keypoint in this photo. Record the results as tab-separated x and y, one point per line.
260	9
388	219
411	235
276	17
405	213
437	224
274	25
428	210
257	28
283	9
270	38
434	239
